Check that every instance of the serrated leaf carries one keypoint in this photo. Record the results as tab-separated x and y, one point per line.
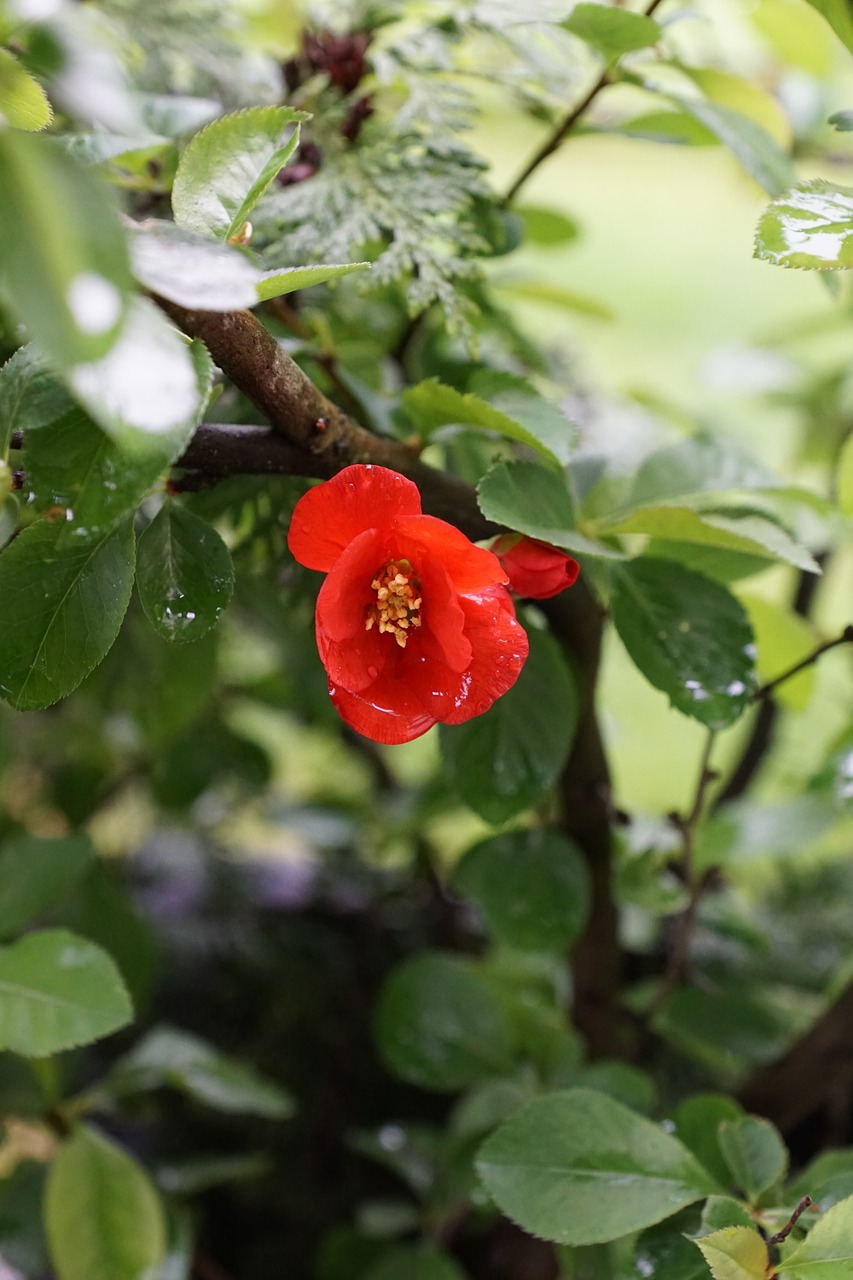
167	1056
439	1025
63	604
58	990
184	574
23	102
228	166
827	1251
102	1213
532	888
35	873
837	14
810	226
579	1168
505	760
759	153
844	477
612	32
735	1253
275	283
754	1153
688	635
31	394
724	1211
532	500
67	277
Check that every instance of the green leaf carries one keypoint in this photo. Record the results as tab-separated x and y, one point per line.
837	14
415	1262
547	226
612	32
167	1056
688	635
697	1124
724	1211
103	1215
664	1253
228	166
556	295
827	1251
63	603
531	886
759	153
842	121
735	1253
184	573
152	384
23	102
439	1025
58	990
431	405
273	284
532	500
35	873
754	1152
828	1179
844	477
579	1168
31	395
810	226
505	760
67	277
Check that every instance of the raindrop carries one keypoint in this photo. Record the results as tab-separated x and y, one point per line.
373	672
94	302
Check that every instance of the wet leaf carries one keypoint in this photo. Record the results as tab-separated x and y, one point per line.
810	226
31	395
535	500
184	573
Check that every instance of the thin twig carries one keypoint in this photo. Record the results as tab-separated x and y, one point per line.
846	637
804	1204
565	127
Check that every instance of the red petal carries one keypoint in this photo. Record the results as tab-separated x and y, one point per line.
377	720
346	593
500	648
536	570
328	517
442	637
471	569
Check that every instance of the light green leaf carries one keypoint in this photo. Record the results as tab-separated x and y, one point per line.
531	886
759	153
579	1168
35	873
102	1213
184	573
167	1056
827	1251
612	32
58	990
67	277
810	226
547	226
505	760
63	604
532	500
735	1253
439	1025
844	477
755	1154
557	295
837	14
228	166
275	283
688	635
784	638
23	102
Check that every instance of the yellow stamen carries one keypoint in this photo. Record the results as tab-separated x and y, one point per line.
397	604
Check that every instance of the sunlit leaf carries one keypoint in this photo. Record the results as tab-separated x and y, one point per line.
23	102
534	422
612	32
827	1250
837	14
810	226
761	156
735	1253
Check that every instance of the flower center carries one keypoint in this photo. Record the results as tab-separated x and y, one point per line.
397	605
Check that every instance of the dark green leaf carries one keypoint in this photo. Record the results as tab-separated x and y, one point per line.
23	102
579	1168
612	32
531	886
810	226
31	394
664	1253
439	1025
723	1211
688	635
35	873
63	603
842	121
837	14
21	1226
828	1179
103	1216
228	166
622	1081
505	760
759	153
697	1124
184	573
754	1152
536	501
68	276
167	1056
827	1251
416	1262
56	991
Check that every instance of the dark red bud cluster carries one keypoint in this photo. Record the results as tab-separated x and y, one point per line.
308	159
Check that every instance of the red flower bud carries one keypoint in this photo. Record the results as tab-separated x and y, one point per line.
535	569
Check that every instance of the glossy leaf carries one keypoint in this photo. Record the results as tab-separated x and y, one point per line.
754	1152
664	1253
184	573
67	278
58	990
228	166
416	1262
167	1056
759	154
578	1168
827	1251
31	395
439	1025
103	1215
697	1124
273	284
35	873
23	102
63	603
735	1253
504	761
837	14
532	888
688	635
192	270
536	501
810	226
612	32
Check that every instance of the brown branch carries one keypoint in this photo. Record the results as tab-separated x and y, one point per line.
846	637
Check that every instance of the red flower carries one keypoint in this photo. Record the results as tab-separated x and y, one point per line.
414	623
535	569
